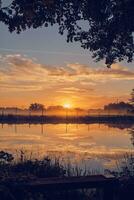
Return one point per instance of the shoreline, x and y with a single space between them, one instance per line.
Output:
115 119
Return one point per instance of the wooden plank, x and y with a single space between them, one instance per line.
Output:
97 181
109 185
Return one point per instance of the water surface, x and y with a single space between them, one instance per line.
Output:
95 145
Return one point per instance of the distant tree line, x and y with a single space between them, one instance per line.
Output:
38 107
121 106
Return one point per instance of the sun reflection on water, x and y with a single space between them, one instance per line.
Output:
90 142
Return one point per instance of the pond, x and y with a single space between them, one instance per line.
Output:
97 146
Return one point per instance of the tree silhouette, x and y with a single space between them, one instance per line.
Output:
121 106
105 27
36 107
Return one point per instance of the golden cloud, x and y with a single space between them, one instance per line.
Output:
19 72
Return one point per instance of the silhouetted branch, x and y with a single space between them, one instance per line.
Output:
104 27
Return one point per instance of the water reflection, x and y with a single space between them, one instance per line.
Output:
96 144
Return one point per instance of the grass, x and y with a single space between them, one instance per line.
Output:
125 167
25 169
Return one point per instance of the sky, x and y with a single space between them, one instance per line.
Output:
40 66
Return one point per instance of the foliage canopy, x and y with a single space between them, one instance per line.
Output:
105 27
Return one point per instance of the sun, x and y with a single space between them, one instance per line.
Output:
67 105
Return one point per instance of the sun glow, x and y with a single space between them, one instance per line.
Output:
67 105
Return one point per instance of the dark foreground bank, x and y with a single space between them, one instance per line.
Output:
17 176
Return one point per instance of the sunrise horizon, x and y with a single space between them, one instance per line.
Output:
26 80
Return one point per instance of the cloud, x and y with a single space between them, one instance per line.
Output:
19 72
75 90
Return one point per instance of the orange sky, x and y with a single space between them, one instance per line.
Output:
24 80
